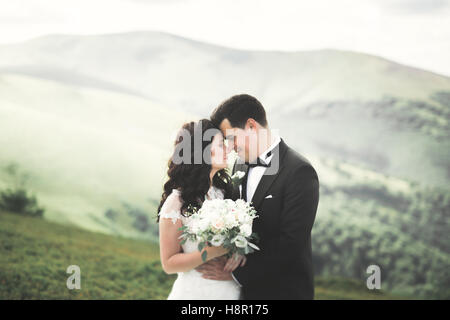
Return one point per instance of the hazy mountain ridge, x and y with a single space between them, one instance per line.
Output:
184 74
399 137
88 150
150 61
92 117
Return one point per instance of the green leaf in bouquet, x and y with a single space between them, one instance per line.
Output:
201 245
234 232
255 237
253 246
204 255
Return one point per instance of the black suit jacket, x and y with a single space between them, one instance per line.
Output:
282 268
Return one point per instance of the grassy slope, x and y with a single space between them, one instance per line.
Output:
35 253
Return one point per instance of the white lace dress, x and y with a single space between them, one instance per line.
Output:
190 285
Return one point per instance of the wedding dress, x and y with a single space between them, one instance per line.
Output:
191 285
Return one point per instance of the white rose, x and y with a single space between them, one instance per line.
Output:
243 217
217 240
238 175
219 224
203 224
230 220
240 241
246 230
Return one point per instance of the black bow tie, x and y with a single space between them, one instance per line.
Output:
259 163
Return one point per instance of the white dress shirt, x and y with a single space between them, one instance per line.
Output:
255 174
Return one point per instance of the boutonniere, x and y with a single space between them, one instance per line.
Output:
236 178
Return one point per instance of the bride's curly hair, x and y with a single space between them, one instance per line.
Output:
193 178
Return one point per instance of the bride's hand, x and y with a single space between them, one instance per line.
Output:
235 261
214 252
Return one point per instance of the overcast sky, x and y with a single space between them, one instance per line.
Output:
412 32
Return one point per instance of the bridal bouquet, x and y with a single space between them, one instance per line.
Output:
222 222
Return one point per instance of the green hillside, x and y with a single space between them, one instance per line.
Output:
92 129
365 217
35 253
96 158
347 105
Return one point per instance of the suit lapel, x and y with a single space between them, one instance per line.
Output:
267 180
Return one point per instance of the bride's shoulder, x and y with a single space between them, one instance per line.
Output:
174 198
172 205
175 193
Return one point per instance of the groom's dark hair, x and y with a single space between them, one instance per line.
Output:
238 109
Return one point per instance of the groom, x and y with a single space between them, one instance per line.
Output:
284 189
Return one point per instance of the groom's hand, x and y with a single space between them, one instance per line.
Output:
214 269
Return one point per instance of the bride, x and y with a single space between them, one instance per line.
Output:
200 175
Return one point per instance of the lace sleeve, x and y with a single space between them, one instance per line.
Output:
171 207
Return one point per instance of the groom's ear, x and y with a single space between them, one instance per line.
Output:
251 124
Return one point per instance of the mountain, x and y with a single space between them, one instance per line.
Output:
91 119
96 158
366 218
352 106
153 63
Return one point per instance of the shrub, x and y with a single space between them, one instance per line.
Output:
19 201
